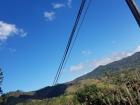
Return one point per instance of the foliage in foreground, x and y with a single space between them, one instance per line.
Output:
1 79
125 92
121 88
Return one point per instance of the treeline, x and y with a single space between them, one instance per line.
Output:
122 88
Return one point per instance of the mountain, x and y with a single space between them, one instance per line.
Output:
122 88
128 63
68 90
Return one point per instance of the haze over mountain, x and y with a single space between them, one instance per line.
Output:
128 63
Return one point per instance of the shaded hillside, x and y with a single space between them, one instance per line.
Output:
13 98
121 88
110 77
128 63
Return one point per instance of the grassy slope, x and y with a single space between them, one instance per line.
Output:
63 94
107 84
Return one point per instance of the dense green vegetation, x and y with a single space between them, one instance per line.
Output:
1 79
117 83
122 88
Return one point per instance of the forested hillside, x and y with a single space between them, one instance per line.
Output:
121 88
117 83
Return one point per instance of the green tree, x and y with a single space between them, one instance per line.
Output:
1 79
89 95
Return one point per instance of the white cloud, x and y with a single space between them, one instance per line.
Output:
76 67
61 5
22 33
109 59
90 65
137 49
114 57
69 3
7 30
58 5
49 15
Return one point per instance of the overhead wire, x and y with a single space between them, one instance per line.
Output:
72 40
69 43
78 30
69 46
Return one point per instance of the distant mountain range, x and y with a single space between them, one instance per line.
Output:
128 63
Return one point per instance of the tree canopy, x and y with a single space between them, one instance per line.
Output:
1 79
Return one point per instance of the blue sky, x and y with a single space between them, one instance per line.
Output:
33 35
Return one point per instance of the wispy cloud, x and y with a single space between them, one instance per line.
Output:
109 59
114 57
86 52
49 15
76 67
61 5
69 3
90 65
22 33
58 5
8 30
137 49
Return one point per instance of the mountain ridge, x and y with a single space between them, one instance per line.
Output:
130 62
93 77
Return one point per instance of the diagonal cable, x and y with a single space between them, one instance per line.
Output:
69 42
